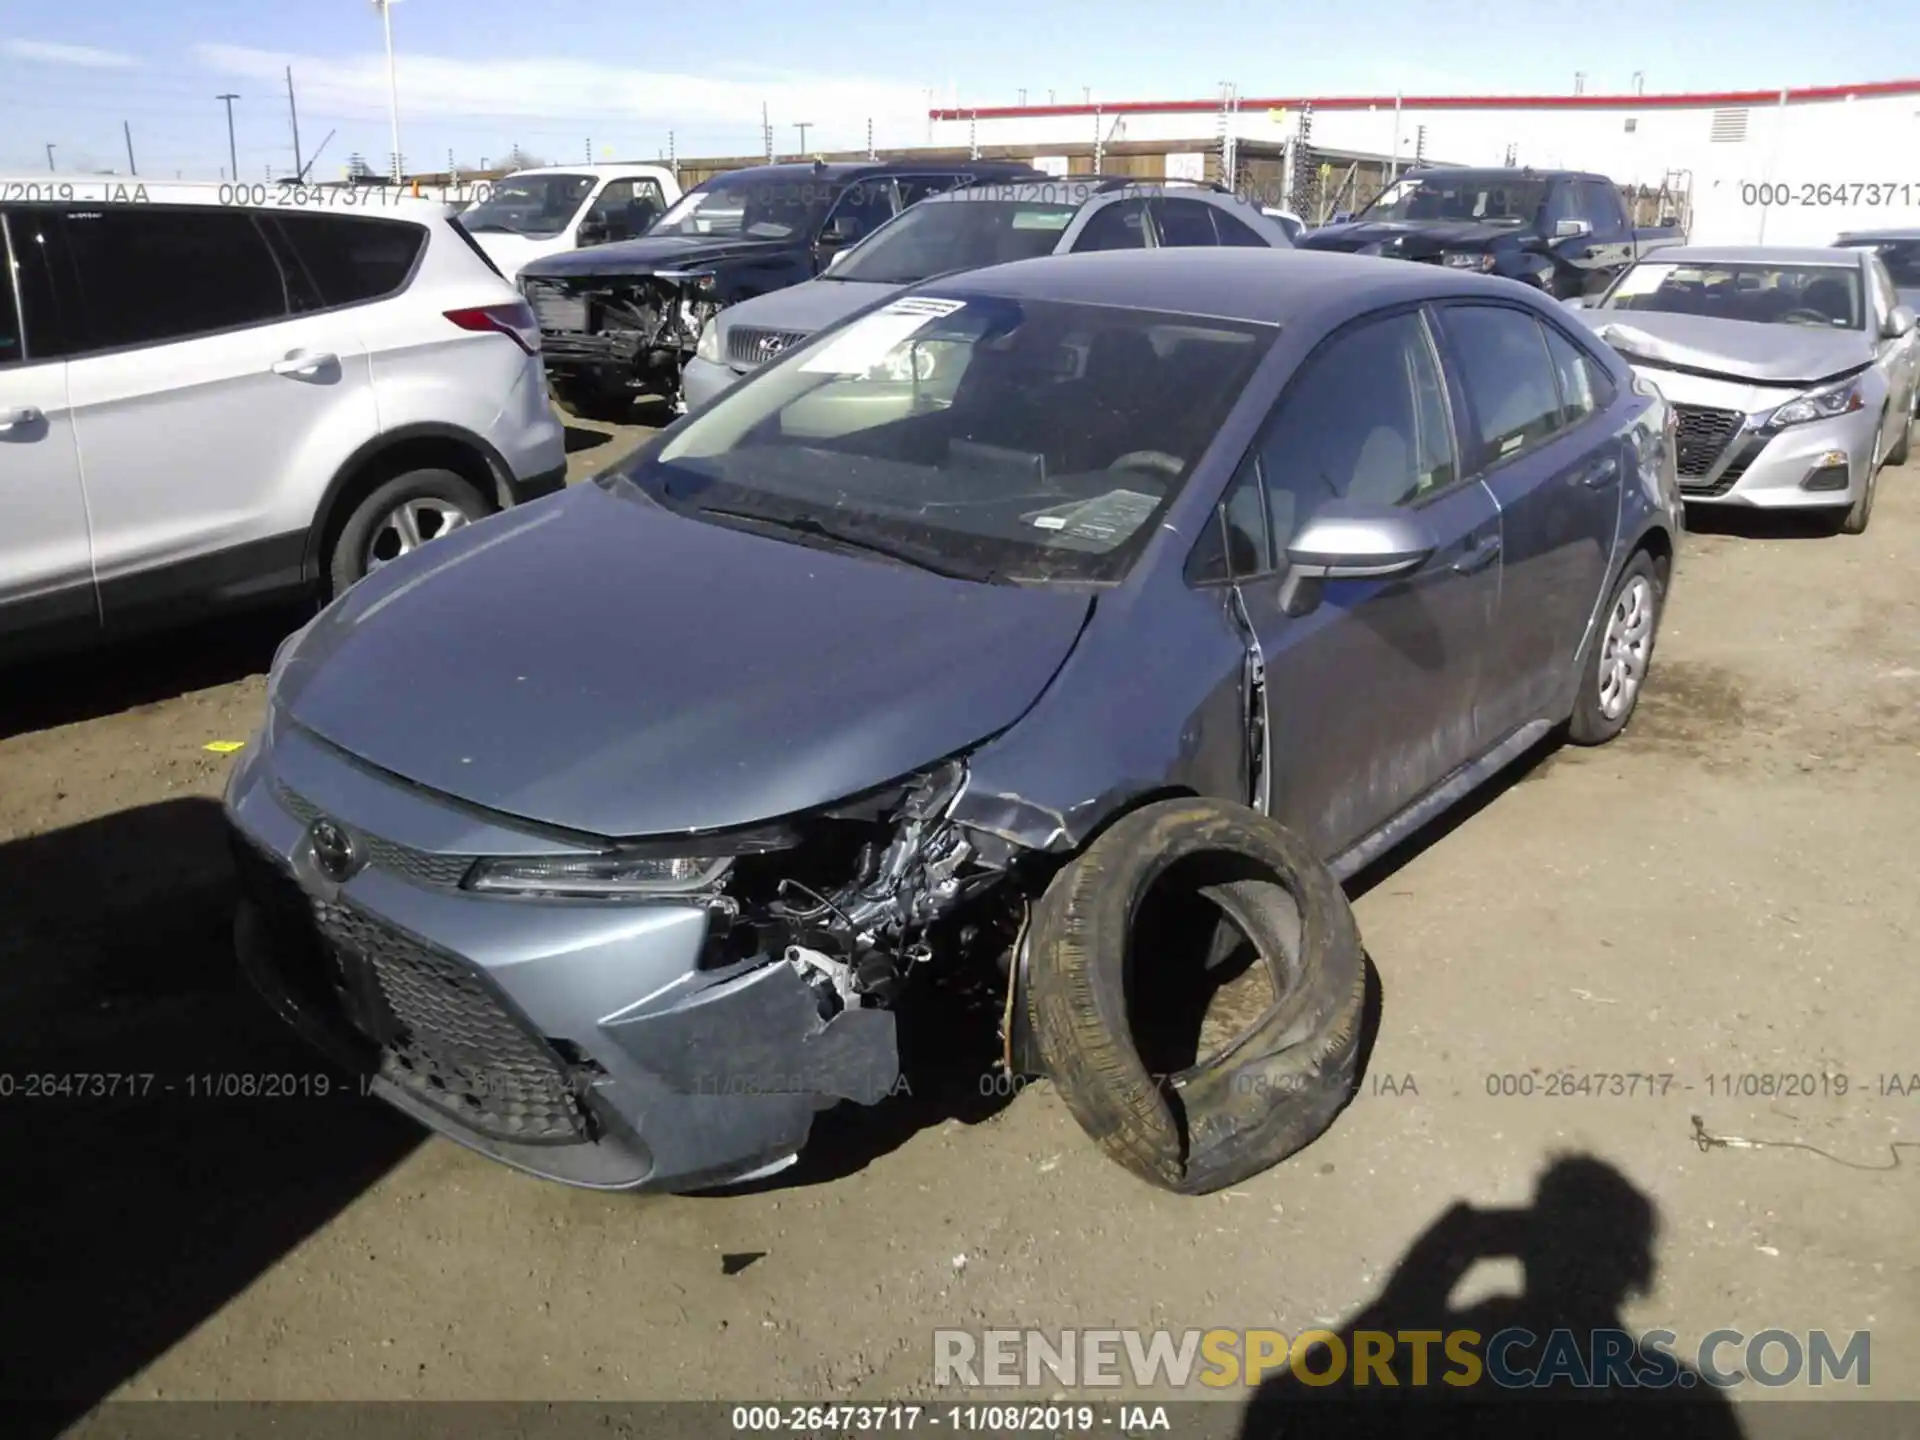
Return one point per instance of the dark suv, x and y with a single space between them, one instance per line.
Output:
624 317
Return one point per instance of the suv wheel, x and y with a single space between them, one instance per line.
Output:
397 519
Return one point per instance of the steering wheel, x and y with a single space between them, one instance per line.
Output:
1809 315
1155 460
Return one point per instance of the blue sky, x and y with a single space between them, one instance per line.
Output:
479 76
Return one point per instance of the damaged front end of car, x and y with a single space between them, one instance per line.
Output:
632 331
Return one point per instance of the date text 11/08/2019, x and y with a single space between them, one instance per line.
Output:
1052 1419
1823 194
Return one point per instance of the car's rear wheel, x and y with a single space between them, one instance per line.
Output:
397 518
1133 947
1622 653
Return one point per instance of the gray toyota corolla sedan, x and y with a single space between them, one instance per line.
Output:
605 835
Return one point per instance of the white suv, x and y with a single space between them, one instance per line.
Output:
215 394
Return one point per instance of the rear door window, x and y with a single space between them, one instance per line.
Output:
46 292
150 274
1119 226
1509 379
1184 222
343 259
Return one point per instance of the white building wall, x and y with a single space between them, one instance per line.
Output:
1823 160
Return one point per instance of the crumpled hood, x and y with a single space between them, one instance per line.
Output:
596 662
1799 355
652 252
1412 239
810 306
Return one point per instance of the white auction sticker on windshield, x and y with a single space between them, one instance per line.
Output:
1098 524
871 340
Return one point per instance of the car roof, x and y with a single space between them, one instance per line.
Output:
1884 232
1068 189
848 170
1267 286
598 169
1754 255
131 191
1497 172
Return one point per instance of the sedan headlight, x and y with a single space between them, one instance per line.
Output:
1467 260
610 875
1822 404
708 347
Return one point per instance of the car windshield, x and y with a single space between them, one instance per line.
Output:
1901 257
1823 295
959 232
752 207
1441 198
1013 440
529 205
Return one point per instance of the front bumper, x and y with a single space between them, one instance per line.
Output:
606 1045
703 382
1727 459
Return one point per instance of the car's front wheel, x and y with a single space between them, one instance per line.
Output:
1617 662
398 518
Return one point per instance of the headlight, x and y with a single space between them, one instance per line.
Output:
1467 260
600 875
708 348
1821 404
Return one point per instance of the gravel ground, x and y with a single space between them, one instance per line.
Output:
1725 893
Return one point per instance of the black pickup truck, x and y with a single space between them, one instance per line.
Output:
621 318
1565 231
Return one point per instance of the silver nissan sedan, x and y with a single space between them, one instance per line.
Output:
1793 371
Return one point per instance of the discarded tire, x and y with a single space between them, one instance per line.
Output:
1259 1098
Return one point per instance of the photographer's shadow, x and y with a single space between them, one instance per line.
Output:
1585 1245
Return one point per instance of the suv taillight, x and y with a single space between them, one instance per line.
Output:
515 320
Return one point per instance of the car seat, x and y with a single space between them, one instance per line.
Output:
1833 298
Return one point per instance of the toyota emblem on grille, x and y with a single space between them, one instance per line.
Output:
334 850
771 345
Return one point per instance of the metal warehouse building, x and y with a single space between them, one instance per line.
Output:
1791 166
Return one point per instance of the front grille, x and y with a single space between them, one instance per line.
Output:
446 1038
555 309
419 866
751 345
1727 478
1704 433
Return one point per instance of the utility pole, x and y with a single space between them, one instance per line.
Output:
1579 82
233 164
870 154
1023 99
803 126
766 131
50 156
589 149
673 158
294 115
385 7
127 130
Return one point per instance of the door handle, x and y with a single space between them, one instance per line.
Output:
1601 473
303 362
1480 554
24 415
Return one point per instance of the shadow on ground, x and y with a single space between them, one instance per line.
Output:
1585 1244
1748 524
108 679
580 438
166 1139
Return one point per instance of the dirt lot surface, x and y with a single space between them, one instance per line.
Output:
1720 910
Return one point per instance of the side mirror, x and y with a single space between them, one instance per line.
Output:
1572 229
840 253
592 232
1899 321
1351 540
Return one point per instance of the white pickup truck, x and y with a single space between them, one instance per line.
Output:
532 213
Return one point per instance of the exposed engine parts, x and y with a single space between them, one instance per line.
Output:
642 326
856 942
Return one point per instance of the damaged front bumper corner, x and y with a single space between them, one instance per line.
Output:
619 328
605 1045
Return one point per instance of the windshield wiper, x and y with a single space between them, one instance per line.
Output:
811 525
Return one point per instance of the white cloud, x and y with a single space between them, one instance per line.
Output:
57 54
439 87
